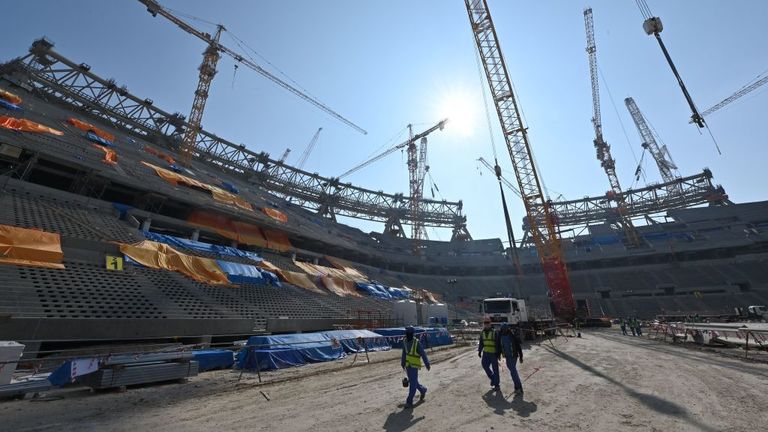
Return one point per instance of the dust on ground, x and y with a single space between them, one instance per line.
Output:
603 381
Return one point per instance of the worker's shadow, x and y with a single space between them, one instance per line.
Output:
401 420
500 404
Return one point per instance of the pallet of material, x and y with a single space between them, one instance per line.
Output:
135 374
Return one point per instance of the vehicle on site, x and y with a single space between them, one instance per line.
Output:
754 312
516 313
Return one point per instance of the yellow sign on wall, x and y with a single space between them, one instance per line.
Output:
114 263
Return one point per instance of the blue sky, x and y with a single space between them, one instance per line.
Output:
384 64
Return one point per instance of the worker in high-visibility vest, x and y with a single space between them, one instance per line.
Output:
489 350
411 361
512 350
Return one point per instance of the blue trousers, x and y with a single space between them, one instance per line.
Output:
491 366
413 384
511 365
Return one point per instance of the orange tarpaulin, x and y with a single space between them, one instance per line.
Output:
340 287
300 280
242 232
275 214
218 194
110 156
163 257
25 125
160 154
343 266
87 127
10 97
277 240
30 247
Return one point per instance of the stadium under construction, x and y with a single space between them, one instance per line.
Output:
124 224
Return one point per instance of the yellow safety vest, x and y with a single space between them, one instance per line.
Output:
412 357
489 341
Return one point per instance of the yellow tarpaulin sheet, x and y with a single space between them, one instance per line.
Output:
268 266
277 240
301 280
340 287
87 127
30 247
242 232
10 97
355 274
275 214
163 257
25 125
218 194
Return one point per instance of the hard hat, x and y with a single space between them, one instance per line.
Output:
409 330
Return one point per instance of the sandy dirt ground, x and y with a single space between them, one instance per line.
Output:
602 382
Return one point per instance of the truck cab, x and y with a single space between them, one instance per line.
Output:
502 310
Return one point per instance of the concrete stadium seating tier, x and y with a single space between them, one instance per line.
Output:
704 260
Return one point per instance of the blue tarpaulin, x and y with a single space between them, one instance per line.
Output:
242 273
201 247
213 359
9 106
431 336
374 290
282 351
230 187
98 140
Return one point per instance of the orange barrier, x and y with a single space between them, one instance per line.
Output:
21 246
340 287
25 125
277 240
163 257
87 127
218 194
275 214
10 97
110 156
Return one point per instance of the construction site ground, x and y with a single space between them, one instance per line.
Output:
602 382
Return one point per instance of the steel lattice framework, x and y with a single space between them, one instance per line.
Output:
50 74
667 168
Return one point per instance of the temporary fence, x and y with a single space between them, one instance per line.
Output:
725 333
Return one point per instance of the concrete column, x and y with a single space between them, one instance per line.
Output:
293 256
316 261
195 235
146 224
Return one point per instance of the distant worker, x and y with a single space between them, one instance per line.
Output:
638 327
489 350
623 327
512 350
410 361
632 326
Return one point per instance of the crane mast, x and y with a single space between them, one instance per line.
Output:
308 150
667 168
602 147
540 217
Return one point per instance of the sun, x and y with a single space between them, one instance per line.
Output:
460 108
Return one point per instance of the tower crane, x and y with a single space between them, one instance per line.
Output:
653 26
602 147
749 88
542 221
667 168
308 150
417 169
285 155
207 69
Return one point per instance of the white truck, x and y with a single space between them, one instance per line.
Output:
515 312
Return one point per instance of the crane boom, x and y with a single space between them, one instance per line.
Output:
440 125
155 8
545 234
667 168
732 98
602 147
308 150
501 178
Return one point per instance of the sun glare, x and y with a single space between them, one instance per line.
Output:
460 109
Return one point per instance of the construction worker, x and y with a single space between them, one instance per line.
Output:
623 327
632 326
410 361
512 350
638 327
489 350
